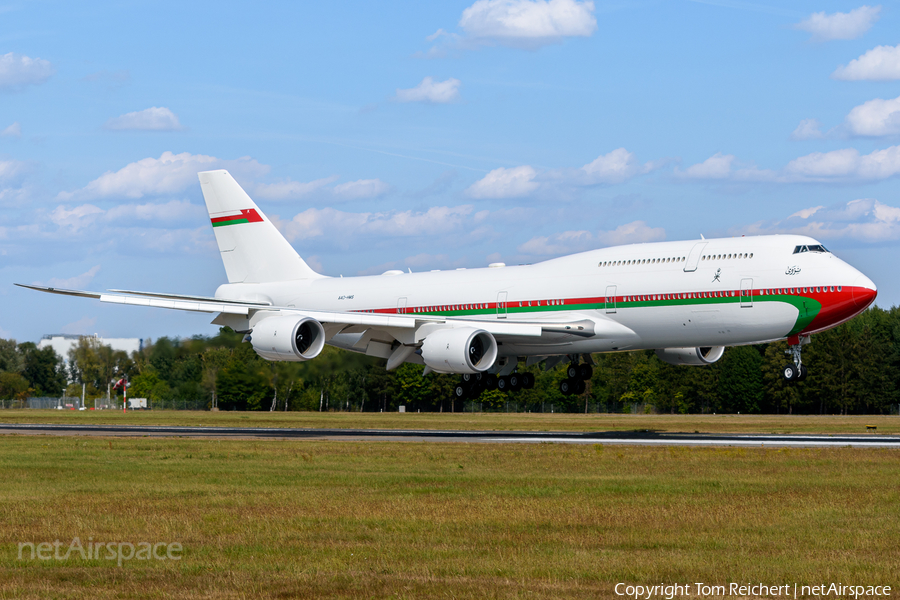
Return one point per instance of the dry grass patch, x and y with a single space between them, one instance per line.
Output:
349 520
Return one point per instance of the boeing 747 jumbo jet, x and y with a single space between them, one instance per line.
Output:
686 300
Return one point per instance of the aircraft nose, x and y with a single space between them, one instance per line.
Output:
864 292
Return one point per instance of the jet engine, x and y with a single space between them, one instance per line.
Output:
288 338
462 350
691 356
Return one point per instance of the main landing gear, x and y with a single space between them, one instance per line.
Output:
576 375
795 370
471 386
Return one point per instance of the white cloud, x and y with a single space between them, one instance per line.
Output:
361 189
614 167
528 23
345 226
18 71
505 183
11 169
287 190
875 118
150 119
168 174
83 326
717 166
844 164
76 282
631 233
840 26
431 91
863 220
881 63
77 218
808 129
568 242
13 131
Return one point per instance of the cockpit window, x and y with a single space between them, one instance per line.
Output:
810 248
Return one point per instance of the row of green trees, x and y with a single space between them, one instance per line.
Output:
854 368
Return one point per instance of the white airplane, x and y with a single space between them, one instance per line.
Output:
687 300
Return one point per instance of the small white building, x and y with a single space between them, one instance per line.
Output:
63 342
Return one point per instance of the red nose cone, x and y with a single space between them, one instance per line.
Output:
864 296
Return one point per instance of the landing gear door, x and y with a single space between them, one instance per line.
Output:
693 258
501 305
610 299
746 293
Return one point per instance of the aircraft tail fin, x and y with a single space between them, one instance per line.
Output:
252 249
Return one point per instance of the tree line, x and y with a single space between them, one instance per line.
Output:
853 369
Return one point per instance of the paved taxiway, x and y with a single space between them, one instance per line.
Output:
648 438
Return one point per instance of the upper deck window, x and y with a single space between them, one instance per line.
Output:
809 248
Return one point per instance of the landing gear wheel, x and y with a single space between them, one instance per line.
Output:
490 381
790 372
468 378
515 382
580 387
566 387
503 384
801 373
460 392
585 372
527 380
572 371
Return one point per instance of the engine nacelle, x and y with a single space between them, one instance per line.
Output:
691 356
288 338
462 350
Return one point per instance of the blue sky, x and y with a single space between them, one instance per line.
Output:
430 135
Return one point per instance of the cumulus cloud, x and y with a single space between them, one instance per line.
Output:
290 190
528 23
11 170
505 183
76 218
875 118
840 26
881 63
615 167
340 225
863 220
150 119
431 92
13 131
808 129
82 326
18 71
568 242
76 282
844 165
168 174
361 189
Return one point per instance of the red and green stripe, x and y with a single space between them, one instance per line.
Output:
247 215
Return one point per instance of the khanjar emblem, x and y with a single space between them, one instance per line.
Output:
716 276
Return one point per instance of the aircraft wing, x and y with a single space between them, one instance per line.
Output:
348 319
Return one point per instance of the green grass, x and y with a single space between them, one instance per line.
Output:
410 520
470 421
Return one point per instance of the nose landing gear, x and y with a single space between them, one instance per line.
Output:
795 371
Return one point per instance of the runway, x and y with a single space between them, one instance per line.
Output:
640 438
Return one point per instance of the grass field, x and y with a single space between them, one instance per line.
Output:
410 520
471 421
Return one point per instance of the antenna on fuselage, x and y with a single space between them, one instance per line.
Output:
701 237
